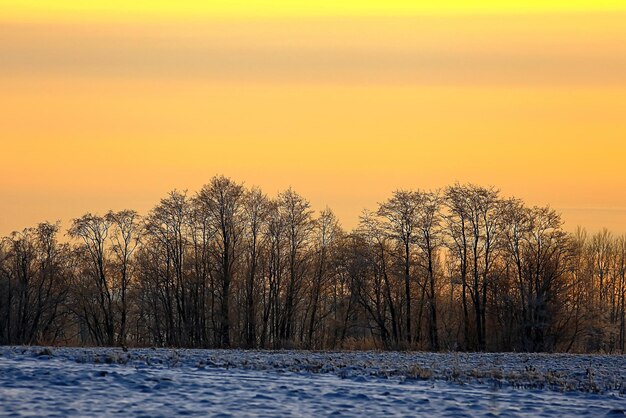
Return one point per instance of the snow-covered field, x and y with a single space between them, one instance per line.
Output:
40 381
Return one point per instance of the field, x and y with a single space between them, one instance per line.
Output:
42 381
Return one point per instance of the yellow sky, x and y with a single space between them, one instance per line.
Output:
168 9
109 105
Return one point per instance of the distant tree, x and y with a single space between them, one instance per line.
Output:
298 226
93 231
327 234
474 229
459 233
429 240
124 238
33 286
256 207
222 201
163 259
461 268
368 267
400 213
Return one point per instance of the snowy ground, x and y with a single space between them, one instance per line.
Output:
39 381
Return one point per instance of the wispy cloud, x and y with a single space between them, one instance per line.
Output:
436 50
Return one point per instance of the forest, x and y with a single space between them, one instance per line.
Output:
461 268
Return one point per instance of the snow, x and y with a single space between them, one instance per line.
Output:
41 381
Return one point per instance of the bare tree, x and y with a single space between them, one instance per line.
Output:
473 226
274 235
256 206
400 213
124 239
222 201
327 234
459 233
164 258
372 282
298 222
33 286
428 225
461 269
93 231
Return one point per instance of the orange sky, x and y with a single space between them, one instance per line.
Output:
111 111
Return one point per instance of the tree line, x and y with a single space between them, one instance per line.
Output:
461 268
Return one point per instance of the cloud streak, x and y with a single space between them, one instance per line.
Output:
435 50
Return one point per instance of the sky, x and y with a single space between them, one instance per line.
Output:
111 104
